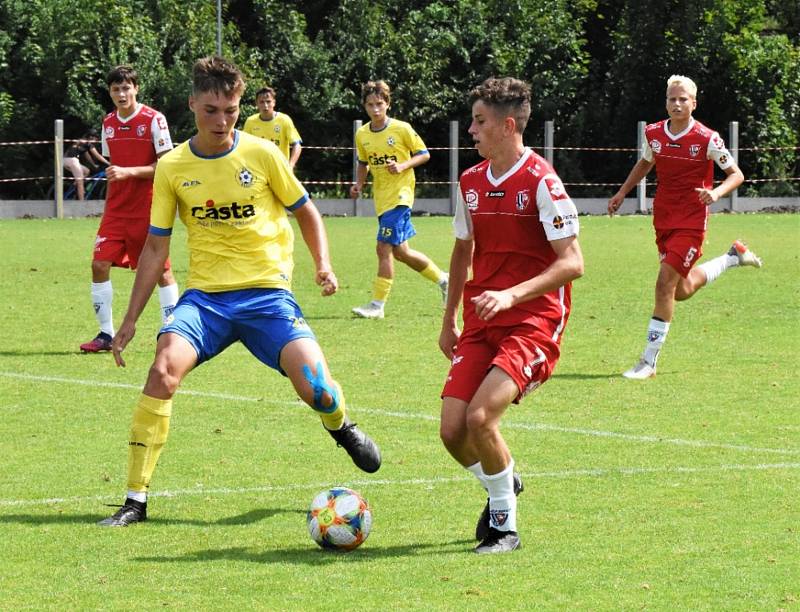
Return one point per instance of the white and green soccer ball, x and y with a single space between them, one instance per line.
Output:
339 519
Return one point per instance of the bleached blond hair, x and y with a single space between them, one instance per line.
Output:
687 83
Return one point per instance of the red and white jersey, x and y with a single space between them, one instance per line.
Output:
134 141
512 220
684 162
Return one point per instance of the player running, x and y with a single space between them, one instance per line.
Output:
134 137
683 151
517 229
232 191
390 149
272 125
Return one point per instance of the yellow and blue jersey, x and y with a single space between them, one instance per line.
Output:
280 130
234 208
398 142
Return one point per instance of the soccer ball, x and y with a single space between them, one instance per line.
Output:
339 519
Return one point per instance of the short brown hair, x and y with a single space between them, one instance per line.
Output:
122 74
508 95
218 75
265 91
376 88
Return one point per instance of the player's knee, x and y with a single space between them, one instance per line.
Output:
478 422
452 437
161 380
101 267
325 396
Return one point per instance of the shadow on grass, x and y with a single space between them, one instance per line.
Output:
248 518
28 353
311 555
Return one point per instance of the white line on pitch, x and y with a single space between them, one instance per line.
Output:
424 482
427 417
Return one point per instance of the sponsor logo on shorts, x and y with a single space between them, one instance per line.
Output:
687 261
299 323
457 359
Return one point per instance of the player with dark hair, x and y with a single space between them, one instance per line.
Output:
390 149
517 230
278 127
232 191
134 137
683 152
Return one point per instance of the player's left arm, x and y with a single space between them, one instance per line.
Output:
294 153
313 230
419 154
733 175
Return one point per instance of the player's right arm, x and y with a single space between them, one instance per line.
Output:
361 178
151 266
460 261
637 173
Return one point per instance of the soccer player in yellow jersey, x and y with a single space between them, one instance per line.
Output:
272 125
232 191
390 149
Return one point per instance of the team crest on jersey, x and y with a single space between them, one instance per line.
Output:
655 145
109 132
523 199
245 177
390 141
140 130
694 150
277 129
471 198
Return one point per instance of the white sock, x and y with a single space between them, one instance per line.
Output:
714 267
168 296
443 279
502 501
477 470
656 335
139 496
102 296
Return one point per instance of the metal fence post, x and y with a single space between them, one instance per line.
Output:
59 168
356 127
641 188
733 143
548 141
453 166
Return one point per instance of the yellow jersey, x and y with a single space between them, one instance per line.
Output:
280 130
397 141
234 208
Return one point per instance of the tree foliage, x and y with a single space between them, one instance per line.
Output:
596 67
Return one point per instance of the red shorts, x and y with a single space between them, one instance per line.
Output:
680 248
527 353
120 241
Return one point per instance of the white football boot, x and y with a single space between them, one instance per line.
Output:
745 256
640 371
369 311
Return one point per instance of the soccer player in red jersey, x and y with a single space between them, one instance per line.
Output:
683 151
517 229
134 137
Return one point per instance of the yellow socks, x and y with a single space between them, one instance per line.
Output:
334 420
381 288
149 432
433 273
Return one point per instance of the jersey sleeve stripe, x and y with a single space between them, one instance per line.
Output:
421 152
160 231
299 202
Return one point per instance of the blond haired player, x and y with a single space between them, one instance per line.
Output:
683 152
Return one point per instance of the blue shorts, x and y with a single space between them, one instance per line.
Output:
265 320
395 227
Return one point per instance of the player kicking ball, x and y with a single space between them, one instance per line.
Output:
683 151
232 191
517 229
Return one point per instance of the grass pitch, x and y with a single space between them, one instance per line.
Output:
675 493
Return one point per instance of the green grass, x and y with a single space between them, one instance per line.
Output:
675 493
